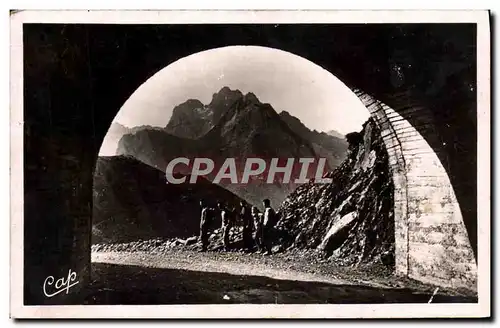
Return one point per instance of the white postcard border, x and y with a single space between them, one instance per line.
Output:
481 309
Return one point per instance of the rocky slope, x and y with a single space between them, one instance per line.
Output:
132 201
350 219
329 145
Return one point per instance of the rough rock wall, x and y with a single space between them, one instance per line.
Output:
350 219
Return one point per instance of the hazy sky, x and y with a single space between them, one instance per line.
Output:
286 81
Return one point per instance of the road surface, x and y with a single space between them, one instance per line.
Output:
188 277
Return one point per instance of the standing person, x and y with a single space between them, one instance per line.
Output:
258 221
246 219
268 226
205 220
227 222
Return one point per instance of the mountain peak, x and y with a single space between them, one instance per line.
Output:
251 98
222 101
227 92
194 102
191 119
188 105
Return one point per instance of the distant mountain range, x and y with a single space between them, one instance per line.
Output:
336 134
333 148
235 125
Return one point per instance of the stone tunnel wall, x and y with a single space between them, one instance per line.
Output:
432 244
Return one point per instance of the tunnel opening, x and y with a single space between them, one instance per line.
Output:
396 133
59 128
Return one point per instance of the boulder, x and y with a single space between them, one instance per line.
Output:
191 240
336 229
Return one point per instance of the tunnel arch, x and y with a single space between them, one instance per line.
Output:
432 241
71 97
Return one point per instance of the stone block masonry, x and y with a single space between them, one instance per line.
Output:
432 244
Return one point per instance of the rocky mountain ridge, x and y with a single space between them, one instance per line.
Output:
245 128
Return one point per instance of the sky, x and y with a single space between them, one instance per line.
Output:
282 79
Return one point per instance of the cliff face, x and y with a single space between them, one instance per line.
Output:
190 119
351 219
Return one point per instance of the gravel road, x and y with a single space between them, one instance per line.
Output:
190 277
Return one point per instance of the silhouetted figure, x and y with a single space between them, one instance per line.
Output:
205 221
227 222
268 226
246 219
258 220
